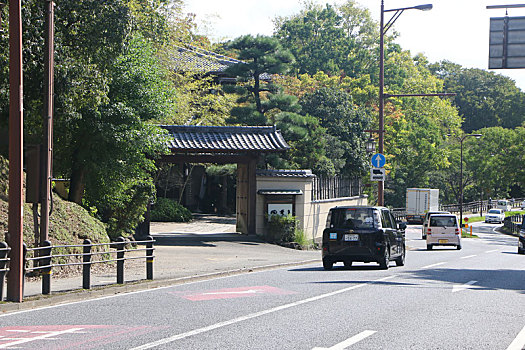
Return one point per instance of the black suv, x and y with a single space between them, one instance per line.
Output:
363 233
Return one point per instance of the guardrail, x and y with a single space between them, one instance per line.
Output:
513 223
4 265
42 259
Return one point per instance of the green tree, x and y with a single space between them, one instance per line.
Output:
484 99
345 122
262 56
332 39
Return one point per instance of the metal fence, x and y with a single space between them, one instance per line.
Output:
41 260
336 187
479 206
513 223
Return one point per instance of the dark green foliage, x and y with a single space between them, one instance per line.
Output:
168 210
282 228
345 123
263 56
330 39
483 99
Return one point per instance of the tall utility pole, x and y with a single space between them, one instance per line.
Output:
47 161
16 141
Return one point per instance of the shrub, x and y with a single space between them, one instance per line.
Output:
166 209
282 228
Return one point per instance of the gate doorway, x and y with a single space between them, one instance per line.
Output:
240 145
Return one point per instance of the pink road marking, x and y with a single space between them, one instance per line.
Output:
231 293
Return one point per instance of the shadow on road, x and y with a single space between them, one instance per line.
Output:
203 240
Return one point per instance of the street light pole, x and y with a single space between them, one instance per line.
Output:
461 139
382 31
381 184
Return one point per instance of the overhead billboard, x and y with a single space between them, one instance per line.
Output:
507 43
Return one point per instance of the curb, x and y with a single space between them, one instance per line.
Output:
77 295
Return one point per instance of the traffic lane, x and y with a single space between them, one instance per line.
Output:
405 311
167 311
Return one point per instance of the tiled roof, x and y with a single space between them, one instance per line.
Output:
285 173
194 58
225 139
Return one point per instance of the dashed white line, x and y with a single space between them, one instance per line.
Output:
254 315
350 341
519 341
491 251
468 256
433 265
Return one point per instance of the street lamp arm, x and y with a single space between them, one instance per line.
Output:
392 19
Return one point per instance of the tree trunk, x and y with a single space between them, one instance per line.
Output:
76 186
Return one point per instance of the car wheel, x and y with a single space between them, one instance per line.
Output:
521 251
429 246
327 264
400 261
383 264
348 264
458 247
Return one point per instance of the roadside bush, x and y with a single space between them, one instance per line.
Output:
282 228
166 209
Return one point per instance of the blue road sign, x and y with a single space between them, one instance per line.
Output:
378 160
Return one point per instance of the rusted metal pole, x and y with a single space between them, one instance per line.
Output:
381 184
48 122
16 141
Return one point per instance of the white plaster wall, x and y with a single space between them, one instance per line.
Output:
311 215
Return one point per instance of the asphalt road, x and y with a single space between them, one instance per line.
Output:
441 299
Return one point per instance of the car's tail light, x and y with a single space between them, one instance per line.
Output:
457 231
429 231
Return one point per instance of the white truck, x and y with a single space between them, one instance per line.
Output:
419 201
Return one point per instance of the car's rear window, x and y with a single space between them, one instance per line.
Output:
354 218
443 221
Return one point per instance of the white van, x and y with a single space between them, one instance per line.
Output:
504 205
443 229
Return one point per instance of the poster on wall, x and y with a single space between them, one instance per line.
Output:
281 209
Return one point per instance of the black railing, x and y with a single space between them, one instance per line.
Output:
513 223
4 265
335 187
479 206
41 260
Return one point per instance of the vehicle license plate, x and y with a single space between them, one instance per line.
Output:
349 237
443 241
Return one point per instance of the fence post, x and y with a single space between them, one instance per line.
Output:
149 258
24 263
121 245
4 253
45 260
86 264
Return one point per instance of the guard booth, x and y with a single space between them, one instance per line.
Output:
295 192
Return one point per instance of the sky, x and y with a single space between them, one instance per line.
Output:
456 30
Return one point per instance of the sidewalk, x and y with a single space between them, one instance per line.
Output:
207 247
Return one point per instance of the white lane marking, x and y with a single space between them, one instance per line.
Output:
460 287
468 256
519 342
254 315
44 336
350 341
433 265
491 251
